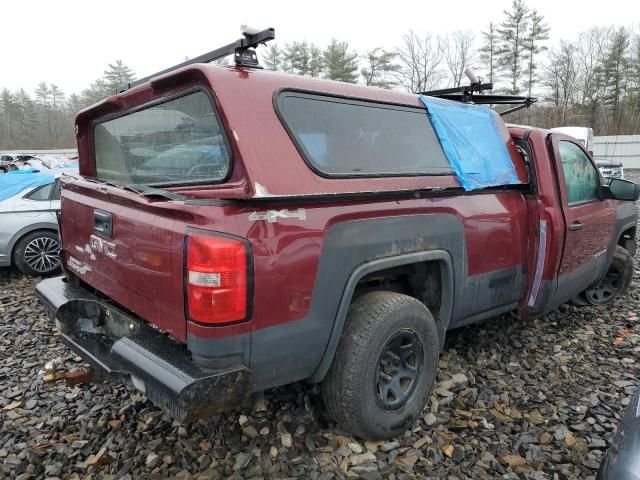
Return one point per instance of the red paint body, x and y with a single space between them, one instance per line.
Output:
500 227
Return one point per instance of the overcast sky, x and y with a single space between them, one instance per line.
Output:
70 42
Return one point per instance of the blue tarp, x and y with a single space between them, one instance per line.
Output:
12 183
472 143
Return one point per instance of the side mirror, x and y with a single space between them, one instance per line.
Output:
623 189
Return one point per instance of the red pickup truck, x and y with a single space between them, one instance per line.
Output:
234 229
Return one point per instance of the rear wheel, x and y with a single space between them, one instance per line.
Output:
614 283
37 253
384 367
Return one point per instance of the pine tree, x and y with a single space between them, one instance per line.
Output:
272 58
28 118
8 109
512 34
97 91
340 63
614 71
316 61
538 33
489 51
379 69
118 75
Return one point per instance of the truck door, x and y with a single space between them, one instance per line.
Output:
589 220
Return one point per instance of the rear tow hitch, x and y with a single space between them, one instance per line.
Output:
71 377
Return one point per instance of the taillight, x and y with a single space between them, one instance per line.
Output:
217 283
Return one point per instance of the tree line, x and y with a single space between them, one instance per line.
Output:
592 79
45 120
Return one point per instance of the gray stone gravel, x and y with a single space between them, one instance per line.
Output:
536 399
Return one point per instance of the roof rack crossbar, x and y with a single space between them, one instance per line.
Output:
240 49
465 94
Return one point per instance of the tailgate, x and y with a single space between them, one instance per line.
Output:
130 249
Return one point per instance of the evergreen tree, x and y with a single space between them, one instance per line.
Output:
340 63
8 109
117 75
28 118
489 51
316 61
272 59
289 56
380 68
614 71
512 34
97 91
538 33
74 104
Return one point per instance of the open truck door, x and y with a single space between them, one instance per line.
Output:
589 218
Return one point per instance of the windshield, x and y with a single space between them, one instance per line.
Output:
179 141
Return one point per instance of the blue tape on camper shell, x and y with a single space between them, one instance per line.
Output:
472 143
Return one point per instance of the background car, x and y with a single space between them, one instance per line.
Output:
29 202
622 460
610 168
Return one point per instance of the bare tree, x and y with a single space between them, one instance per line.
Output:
590 49
458 54
420 59
561 78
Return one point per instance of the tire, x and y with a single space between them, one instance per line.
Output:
615 282
36 253
357 391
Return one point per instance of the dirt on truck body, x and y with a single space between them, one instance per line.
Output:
234 229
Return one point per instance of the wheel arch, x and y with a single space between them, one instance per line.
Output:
20 234
627 238
440 257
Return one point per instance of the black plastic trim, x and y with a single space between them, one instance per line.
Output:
446 305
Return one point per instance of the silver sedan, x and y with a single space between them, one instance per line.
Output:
29 229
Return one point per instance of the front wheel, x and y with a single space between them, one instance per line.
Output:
615 282
384 367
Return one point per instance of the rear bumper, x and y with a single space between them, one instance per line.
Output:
122 347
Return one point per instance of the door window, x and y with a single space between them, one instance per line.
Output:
580 175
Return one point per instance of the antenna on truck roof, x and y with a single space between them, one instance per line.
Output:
242 51
466 94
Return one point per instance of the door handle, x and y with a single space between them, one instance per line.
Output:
576 226
102 223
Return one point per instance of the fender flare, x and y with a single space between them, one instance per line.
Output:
443 317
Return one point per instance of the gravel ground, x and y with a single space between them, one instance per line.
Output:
536 399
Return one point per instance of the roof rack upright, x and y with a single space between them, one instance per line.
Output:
242 50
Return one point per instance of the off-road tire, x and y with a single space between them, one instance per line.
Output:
622 261
349 389
21 263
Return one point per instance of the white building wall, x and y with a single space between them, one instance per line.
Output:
622 148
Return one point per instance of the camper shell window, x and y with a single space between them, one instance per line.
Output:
343 137
178 141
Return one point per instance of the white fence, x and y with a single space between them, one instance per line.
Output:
621 148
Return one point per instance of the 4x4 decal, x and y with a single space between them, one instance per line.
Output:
272 216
